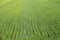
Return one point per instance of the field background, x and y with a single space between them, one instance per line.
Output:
29 19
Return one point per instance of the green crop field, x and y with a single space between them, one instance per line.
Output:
29 19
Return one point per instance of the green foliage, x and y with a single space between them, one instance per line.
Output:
30 20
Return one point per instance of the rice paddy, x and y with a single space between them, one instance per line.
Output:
29 19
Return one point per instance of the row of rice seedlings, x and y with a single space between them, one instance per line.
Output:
41 27
30 29
12 28
4 24
50 32
18 33
36 22
22 30
34 31
25 27
37 31
22 27
54 31
52 25
15 29
6 27
9 26
11 32
46 27
18 29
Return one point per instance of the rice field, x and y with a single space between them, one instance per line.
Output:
29 19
